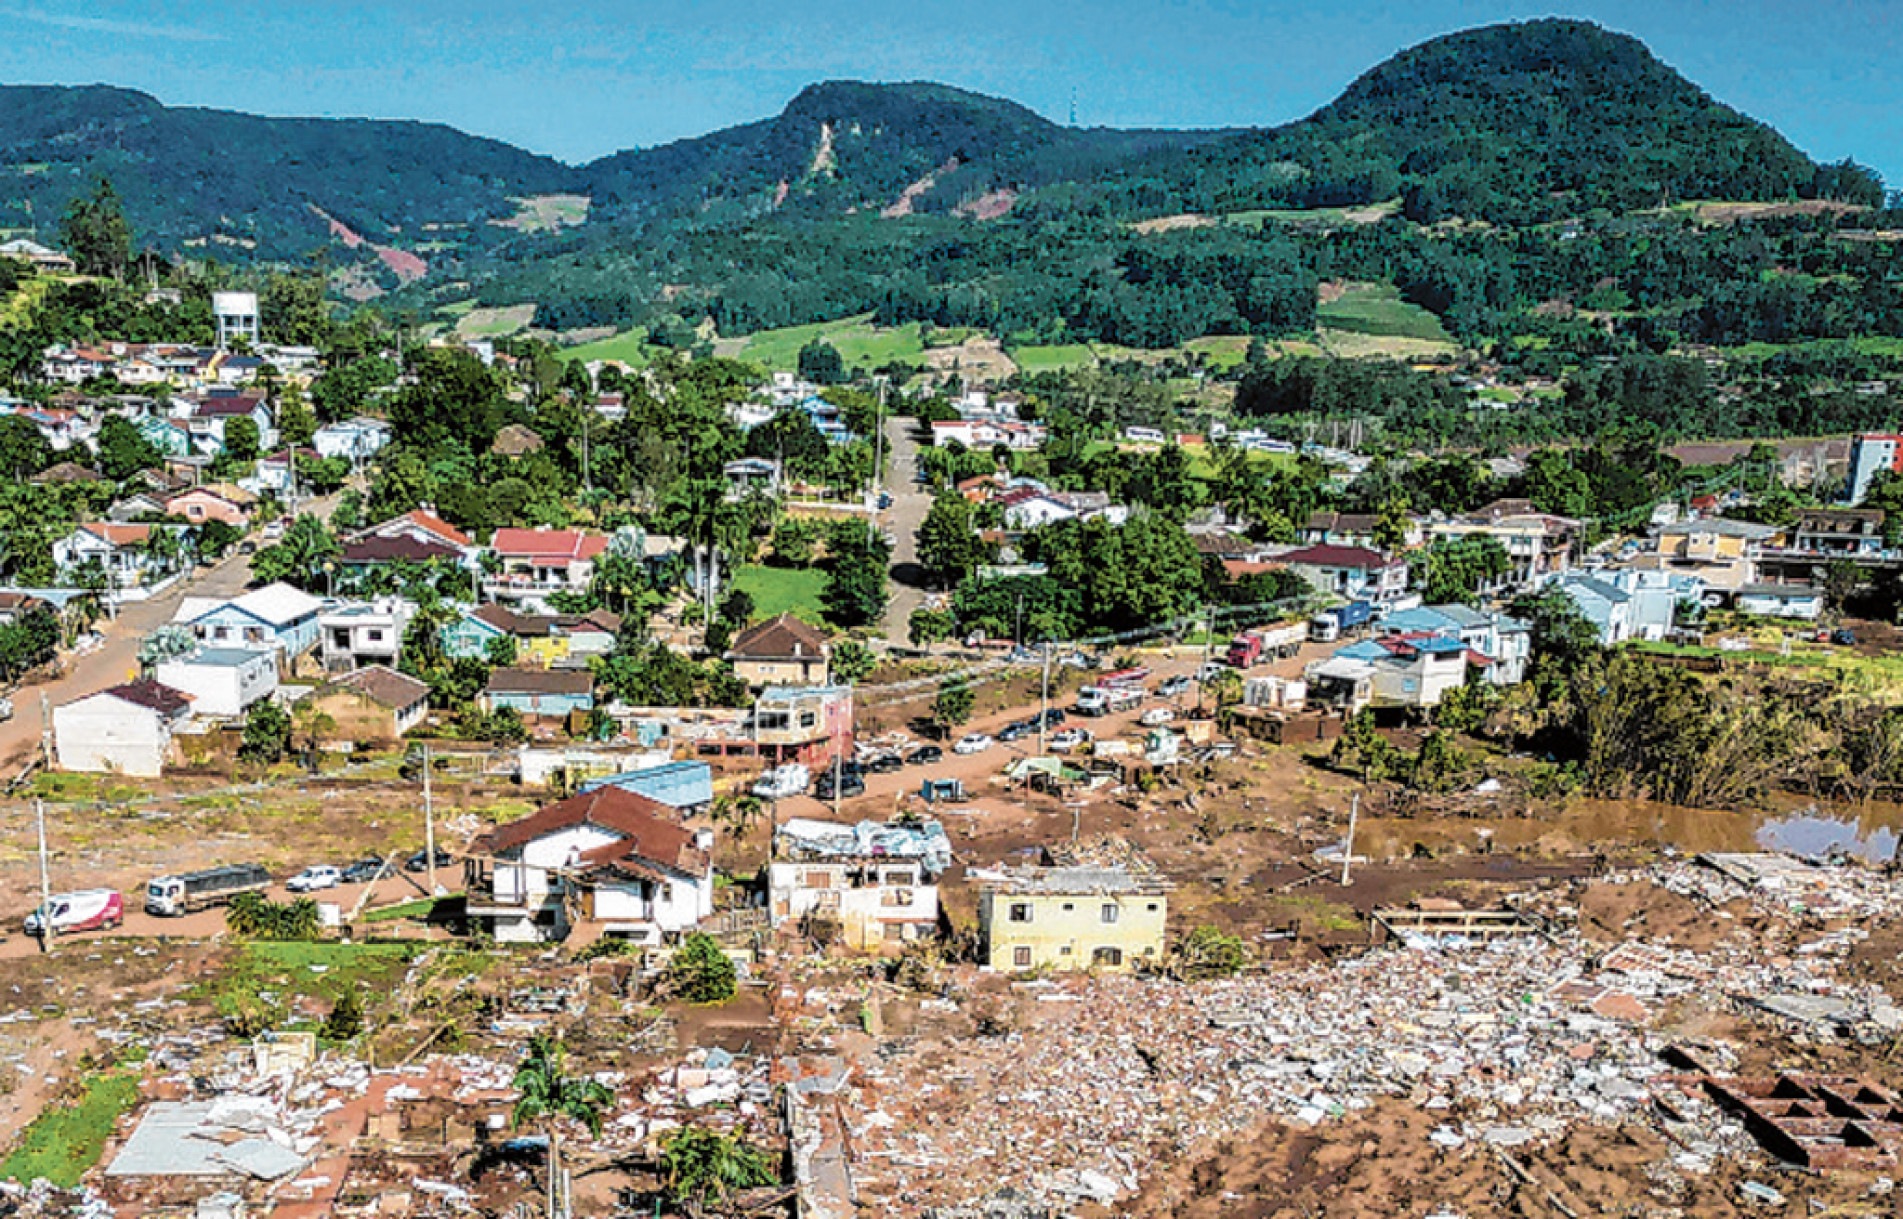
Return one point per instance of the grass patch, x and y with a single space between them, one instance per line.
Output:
65 1141
782 590
630 347
1056 357
319 969
1377 309
421 909
84 788
859 343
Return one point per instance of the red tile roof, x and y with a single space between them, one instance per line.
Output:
155 695
1330 555
781 638
649 834
570 544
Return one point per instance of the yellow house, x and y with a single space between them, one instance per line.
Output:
1072 918
781 651
1723 553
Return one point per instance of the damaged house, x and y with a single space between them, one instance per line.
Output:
877 882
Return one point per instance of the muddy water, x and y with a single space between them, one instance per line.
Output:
1868 831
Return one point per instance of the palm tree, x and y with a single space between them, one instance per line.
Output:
548 1094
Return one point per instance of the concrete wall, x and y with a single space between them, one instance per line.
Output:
890 904
106 734
222 690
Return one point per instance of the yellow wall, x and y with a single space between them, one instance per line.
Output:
1066 930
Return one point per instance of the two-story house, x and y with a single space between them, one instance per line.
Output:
876 883
358 633
1537 543
782 651
1071 918
548 640
532 563
608 857
276 618
1355 573
1722 554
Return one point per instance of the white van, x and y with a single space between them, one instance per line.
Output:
87 910
1143 435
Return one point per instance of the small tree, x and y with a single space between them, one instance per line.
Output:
953 705
701 1166
700 972
345 1021
820 363
501 651
1207 953
927 626
267 733
852 661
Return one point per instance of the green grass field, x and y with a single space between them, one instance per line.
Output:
630 347
1053 358
858 341
1377 309
782 590
66 1140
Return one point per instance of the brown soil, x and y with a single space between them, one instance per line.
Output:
1639 910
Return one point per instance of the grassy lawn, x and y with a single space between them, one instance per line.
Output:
1054 358
630 347
63 1142
421 908
322 969
782 590
858 341
1377 309
494 323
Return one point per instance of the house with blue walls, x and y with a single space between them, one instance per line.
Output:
275 618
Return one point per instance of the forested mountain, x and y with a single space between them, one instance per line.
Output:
193 177
924 202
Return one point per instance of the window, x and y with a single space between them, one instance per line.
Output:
1151 907
808 719
1021 958
376 636
1020 912
1069 906
817 880
1064 950
895 897
1107 956
1110 912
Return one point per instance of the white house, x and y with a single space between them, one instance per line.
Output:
210 416
1805 601
877 882
607 856
355 634
987 434
123 552
1033 507
1354 572
535 562
357 439
125 730
221 682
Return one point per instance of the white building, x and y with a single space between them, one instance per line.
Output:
236 316
607 856
359 633
877 882
984 434
126 730
356 440
221 682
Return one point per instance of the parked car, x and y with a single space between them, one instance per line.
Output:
885 764
1212 670
885 500
363 871
1844 637
274 530
1069 739
973 742
1050 718
1156 717
783 781
419 862
925 755
850 785
318 876
1078 660
1017 731
1173 686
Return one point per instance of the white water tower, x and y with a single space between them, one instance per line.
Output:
237 317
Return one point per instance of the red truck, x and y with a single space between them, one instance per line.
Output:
1251 647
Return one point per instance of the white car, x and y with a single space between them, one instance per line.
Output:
274 530
322 876
973 742
1069 739
1156 717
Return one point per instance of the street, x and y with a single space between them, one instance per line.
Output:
911 500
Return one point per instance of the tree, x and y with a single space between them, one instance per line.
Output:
820 363
124 450
700 972
345 1021
953 705
501 651
242 441
300 558
927 626
24 450
949 543
794 540
701 1166
852 661
94 231
1207 953
549 1094
856 560
296 422
267 733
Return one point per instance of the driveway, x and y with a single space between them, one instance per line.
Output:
910 503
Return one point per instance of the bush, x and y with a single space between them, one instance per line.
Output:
700 972
345 1021
1207 953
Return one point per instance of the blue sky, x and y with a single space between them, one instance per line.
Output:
587 77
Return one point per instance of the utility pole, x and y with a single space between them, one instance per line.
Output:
586 483
1348 843
878 444
1044 699
46 882
838 777
1209 636
429 822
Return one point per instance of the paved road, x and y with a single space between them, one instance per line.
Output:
910 502
117 660
113 662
